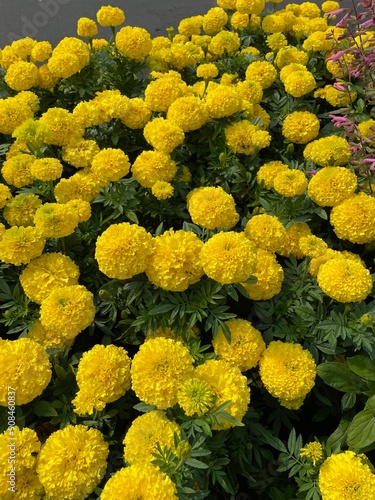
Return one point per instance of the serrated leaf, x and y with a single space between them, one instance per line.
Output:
198 464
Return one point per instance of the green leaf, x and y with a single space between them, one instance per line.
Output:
340 377
362 366
193 462
348 400
361 432
44 409
161 308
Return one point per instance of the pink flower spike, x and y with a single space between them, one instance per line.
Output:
311 172
339 87
371 161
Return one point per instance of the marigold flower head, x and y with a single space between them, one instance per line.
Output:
313 452
67 310
214 20
332 185
276 41
123 250
86 27
228 257
290 182
301 127
291 243
47 272
142 481
273 23
103 376
12 114
25 366
81 153
46 79
22 75
347 475
269 275
239 21
72 462
335 97
137 114
345 280
41 51
261 72
188 113
20 210
23 47
354 218
222 101
5 195
158 369
287 370
312 246
27 486
110 165
174 263
207 70
224 42
68 57
26 444
195 397
16 170
190 26
317 41
367 128
328 151
152 166
110 16
250 6
246 138
110 104
266 231
62 126
31 132
162 190
289 55
299 83
163 134
83 185
46 169
55 220
212 207
316 262
228 384
267 172
133 42
245 347
49 339
21 244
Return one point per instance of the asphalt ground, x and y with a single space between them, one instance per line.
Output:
52 20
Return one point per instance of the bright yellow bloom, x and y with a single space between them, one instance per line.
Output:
86 27
289 55
224 42
23 47
332 185
20 210
290 183
174 263
110 165
46 169
269 274
72 462
223 101
335 97
328 151
301 127
246 138
41 51
55 220
31 132
189 113
16 170
162 190
22 75
152 166
313 451
288 371
123 250
195 397
214 20
5 195
26 444
276 41
81 153
160 93
63 127
266 231
212 207
83 185
207 70
21 244
25 367
49 339
163 134
158 369
133 42
110 16
267 173
312 246
261 72
317 41
292 238
137 114
68 57
190 26
228 257
299 83
250 6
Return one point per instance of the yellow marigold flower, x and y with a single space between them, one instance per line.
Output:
27 486
190 26
354 218
228 257
267 173
103 376
2 230
290 182
110 16
276 41
163 134
86 27
367 128
250 6
82 185
214 20
269 275
227 4
5 195
317 41
223 101
313 451
289 55
21 244
48 338
344 280
312 246
99 43
301 127
110 165
239 21
208 70
347 475
246 138
212 207
335 97
332 185
309 9
26 447
133 42
251 92
87 114
152 166
273 23
183 55
250 50
46 79
67 310
158 369
137 114
329 6
72 462
261 72
16 170
23 47
68 57
287 371
328 151
62 126
245 347
291 243
266 231
289 69
145 433
188 113
29 98
31 132
47 272
20 210
316 262
143 481
162 190
25 367
174 263
81 207
22 75
8 57
55 220
299 83
224 42
123 250
46 169
110 104
228 384
81 153
160 93
195 397
41 51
